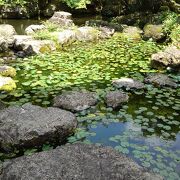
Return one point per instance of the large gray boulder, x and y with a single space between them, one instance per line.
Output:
30 46
75 162
62 18
31 125
160 80
75 101
7 33
115 99
170 57
128 83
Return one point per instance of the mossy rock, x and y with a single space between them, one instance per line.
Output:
132 32
154 32
7 71
7 84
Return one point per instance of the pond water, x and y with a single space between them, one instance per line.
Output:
21 25
145 129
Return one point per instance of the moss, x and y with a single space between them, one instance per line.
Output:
7 71
7 84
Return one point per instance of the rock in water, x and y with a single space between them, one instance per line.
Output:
62 18
160 80
30 126
75 162
170 57
128 83
75 101
115 99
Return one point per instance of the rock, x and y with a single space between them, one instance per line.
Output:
7 84
62 18
7 32
34 28
75 101
3 45
160 80
19 41
66 36
7 71
128 83
170 57
154 32
106 32
75 162
31 125
87 33
132 32
115 99
31 47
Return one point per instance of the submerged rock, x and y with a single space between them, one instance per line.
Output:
7 71
160 80
154 31
115 99
62 18
170 57
31 125
77 162
7 84
34 28
128 83
75 101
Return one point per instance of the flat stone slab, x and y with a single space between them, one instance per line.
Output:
115 99
75 162
75 101
31 125
160 80
128 83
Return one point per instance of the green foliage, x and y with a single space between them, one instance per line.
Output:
70 3
169 21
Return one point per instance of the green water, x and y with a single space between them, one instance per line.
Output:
145 129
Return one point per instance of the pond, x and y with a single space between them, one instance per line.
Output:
145 129
21 25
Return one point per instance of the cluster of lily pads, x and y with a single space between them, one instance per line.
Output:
151 115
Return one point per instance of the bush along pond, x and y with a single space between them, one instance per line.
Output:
104 83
